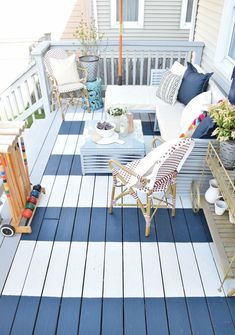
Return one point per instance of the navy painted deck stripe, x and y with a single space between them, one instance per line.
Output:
127 225
198 230
49 315
90 320
178 317
221 316
156 317
8 307
71 128
134 316
199 316
112 316
64 165
69 316
26 315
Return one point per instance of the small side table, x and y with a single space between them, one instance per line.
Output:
94 94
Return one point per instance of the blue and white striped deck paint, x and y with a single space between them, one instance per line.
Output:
84 271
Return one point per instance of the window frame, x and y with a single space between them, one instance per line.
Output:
183 23
223 62
131 24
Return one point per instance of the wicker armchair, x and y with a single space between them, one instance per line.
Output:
66 90
154 176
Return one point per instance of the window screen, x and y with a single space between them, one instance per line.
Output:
189 11
130 10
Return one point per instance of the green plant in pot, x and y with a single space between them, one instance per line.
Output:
223 114
117 114
90 40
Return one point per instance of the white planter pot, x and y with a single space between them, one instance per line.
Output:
212 193
116 120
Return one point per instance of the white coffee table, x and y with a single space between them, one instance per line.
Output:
95 157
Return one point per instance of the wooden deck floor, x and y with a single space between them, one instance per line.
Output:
84 271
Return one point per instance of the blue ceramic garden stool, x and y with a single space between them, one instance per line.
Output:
94 94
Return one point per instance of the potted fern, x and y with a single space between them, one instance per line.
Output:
223 114
86 32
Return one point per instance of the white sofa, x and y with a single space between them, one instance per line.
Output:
143 99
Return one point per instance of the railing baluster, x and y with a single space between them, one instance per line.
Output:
112 68
141 67
27 91
149 68
9 107
21 101
3 113
34 87
134 68
13 94
127 68
105 69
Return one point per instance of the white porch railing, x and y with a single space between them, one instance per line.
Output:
31 91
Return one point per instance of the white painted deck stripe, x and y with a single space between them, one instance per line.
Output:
151 270
58 191
86 193
56 271
72 191
75 270
70 145
121 269
208 270
189 270
19 268
100 191
133 281
47 182
79 115
59 145
186 201
170 270
37 271
113 280
80 142
93 283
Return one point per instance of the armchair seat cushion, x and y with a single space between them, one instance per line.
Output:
65 88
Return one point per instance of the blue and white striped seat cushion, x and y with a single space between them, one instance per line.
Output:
169 87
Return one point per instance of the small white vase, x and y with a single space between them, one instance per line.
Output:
213 192
116 120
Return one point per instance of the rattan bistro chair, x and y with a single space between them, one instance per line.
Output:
154 175
66 90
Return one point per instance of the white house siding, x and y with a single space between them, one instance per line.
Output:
207 30
80 6
161 21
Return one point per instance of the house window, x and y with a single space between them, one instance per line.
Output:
133 13
225 52
186 14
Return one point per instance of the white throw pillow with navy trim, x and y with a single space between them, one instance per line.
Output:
169 87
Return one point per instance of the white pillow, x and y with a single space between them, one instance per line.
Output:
65 70
169 87
194 108
178 69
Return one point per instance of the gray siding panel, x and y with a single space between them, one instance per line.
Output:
161 21
207 30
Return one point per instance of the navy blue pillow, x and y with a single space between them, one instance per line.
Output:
193 83
205 128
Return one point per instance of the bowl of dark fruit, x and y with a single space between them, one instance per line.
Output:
105 129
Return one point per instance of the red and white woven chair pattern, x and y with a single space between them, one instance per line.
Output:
155 175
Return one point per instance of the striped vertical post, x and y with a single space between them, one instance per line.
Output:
25 162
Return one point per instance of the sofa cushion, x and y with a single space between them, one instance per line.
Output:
194 108
193 83
134 97
168 117
65 70
169 87
178 68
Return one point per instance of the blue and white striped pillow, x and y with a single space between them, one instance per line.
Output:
169 87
